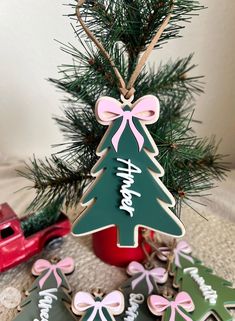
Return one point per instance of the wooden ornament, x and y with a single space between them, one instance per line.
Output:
48 299
136 290
127 192
211 294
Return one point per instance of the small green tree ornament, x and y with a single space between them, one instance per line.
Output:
48 299
127 191
211 294
137 289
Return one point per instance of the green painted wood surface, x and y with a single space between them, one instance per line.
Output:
203 308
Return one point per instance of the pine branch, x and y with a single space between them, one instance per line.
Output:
55 179
83 133
172 77
135 22
191 164
90 74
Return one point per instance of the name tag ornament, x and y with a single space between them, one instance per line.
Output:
211 294
136 290
127 191
49 297
156 275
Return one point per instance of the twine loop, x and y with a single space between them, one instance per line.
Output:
126 89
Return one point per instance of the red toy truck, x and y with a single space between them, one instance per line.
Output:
15 247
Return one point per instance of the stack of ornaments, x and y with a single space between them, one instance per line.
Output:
181 289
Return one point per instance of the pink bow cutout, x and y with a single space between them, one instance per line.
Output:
159 274
66 266
182 249
158 304
109 109
113 302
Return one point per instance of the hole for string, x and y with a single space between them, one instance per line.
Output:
127 101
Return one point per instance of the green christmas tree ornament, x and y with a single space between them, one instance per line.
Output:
127 191
211 294
48 299
136 290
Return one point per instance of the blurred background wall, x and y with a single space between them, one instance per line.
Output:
28 55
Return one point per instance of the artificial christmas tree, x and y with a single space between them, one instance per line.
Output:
124 30
190 163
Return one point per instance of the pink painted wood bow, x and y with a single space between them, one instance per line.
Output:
66 266
182 249
113 302
159 274
145 109
158 305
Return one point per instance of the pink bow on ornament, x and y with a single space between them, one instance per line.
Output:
182 249
113 302
158 304
66 266
146 109
159 274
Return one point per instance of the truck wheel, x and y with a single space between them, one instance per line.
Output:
54 243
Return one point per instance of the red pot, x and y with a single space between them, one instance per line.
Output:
105 247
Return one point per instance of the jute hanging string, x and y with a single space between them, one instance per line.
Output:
126 89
